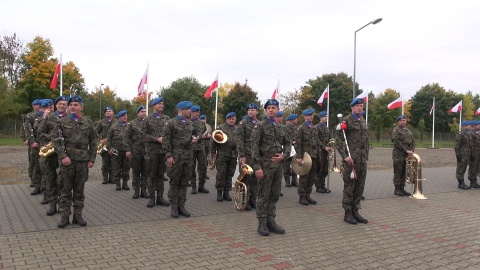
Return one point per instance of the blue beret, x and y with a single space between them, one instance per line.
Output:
308 112
292 117
46 103
401 117
280 114
139 108
273 102
108 108
244 117
466 123
121 113
195 108
363 113
252 106
157 100
203 116
230 114
183 105
37 102
78 99
356 101
322 114
61 98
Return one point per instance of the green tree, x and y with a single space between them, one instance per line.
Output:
236 100
384 119
421 129
12 65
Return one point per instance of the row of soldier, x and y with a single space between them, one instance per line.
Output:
467 151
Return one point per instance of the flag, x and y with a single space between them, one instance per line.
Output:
431 110
276 91
397 103
208 93
54 82
477 112
456 108
363 95
323 96
143 81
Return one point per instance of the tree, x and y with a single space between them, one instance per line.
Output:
421 129
237 99
12 65
383 117
290 102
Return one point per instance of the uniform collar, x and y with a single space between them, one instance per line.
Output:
181 119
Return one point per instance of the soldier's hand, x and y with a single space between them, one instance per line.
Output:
243 160
90 164
170 162
34 145
25 142
66 161
277 158
103 141
259 174
128 154
409 152
299 160
160 139
328 149
349 160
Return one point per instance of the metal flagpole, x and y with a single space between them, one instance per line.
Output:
148 88
61 76
433 123
216 103
402 106
366 112
460 123
328 104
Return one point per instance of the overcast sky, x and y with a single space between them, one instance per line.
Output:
111 42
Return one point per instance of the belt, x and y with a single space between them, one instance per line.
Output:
77 145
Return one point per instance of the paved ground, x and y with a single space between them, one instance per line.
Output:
122 233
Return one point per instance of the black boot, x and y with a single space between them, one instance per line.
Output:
287 182
183 212
45 199
206 177
78 219
358 217
226 195
174 211
35 191
273 227
202 189
474 184
310 200
144 193
461 184
125 185
194 190
118 187
252 202
151 201
105 179
303 200
110 180
136 194
294 181
320 190
262 229
161 201
52 210
349 217
398 190
219 195
405 193
64 221
248 207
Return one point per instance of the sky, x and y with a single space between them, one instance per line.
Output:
291 41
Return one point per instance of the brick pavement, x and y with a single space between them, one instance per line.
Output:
438 233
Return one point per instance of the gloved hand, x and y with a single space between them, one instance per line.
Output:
459 158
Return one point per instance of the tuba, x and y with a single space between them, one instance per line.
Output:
240 191
46 150
413 173
102 147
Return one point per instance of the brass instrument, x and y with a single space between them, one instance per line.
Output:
332 156
240 190
211 161
413 173
101 147
219 136
46 150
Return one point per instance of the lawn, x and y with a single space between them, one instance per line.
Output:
9 141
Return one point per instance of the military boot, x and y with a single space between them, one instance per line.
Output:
36 191
310 200
461 184
161 201
144 193
78 219
349 217
151 201
110 179
52 210
125 185
202 189
358 217
294 181
398 190
118 187
45 199
248 207
252 202
194 189
105 179
136 194
405 193
303 200
273 227
219 195
174 211
183 212
262 228
287 182
474 184
226 195
64 221
320 189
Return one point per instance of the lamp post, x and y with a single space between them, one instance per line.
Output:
100 95
355 52
73 90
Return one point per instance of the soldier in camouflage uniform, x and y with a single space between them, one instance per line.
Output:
244 146
120 162
23 134
178 139
325 150
199 160
49 174
474 164
45 109
353 131
32 136
463 150
75 141
270 147
102 129
226 158
135 151
291 129
206 143
403 145
152 133
307 141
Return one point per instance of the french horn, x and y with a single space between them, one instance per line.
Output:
46 150
240 190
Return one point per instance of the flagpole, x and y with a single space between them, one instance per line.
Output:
148 87
216 102
460 123
433 124
61 76
403 103
366 112
328 104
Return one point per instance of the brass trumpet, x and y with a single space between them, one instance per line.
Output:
101 147
240 190
46 150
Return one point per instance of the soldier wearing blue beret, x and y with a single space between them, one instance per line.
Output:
403 145
117 149
291 129
102 128
199 159
474 164
463 152
26 132
324 137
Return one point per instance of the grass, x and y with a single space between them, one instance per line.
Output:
419 144
10 141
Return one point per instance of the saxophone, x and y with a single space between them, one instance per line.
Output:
240 189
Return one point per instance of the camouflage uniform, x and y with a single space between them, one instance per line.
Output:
198 156
269 139
244 146
135 144
307 142
402 139
463 150
322 169
357 137
102 129
289 175
32 136
226 161
120 163
474 164
23 135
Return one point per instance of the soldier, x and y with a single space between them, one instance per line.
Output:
152 133
102 129
307 142
463 148
474 164
244 146
199 160
45 109
116 147
206 143
353 131
23 134
32 136
325 150
291 129
49 175
75 141
178 140
403 145
270 147
135 152
279 117
226 157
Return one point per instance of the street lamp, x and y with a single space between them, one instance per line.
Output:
100 95
355 52
73 90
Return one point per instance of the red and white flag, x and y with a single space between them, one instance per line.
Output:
276 91
58 68
397 103
323 96
363 95
143 81
431 110
456 108
208 93
477 112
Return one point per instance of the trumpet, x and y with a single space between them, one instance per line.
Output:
240 190
101 147
46 150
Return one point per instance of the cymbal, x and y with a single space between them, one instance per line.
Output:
304 168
